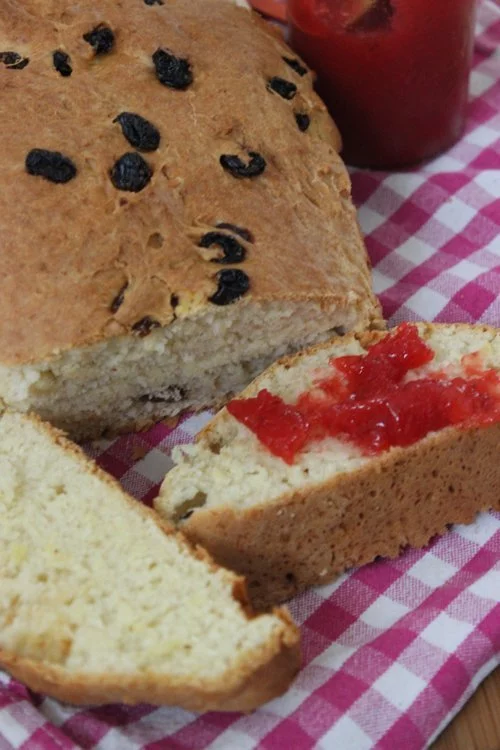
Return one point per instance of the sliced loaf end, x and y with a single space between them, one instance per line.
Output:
100 602
288 527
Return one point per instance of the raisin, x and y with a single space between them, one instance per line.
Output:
118 300
232 251
303 121
144 326
101 39
131 172
235 166
295 65
231 284
138 131
52 165
154 2
170 395
285 89
174 72
62 63
240 231
174 300
13 60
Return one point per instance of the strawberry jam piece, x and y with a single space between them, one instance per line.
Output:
279 426
369 402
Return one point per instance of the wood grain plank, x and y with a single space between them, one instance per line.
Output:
477 726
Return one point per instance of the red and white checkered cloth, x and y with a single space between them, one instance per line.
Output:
391 651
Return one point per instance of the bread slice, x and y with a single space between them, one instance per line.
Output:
120 306
100 602
287 527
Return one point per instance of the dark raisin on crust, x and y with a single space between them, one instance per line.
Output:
174 300
285 89
118 300
303 121
144 326
235 166
174 72
170 395
13 60
232 283
154 2
295 65
245 234
130 172
232 250
62 63
52 165
101 39
138 131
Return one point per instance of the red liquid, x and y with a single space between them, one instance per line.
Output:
394 73
369 401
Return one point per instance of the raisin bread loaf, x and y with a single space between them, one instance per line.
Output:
291 526
173 210
100 602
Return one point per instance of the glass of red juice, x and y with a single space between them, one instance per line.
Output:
393 73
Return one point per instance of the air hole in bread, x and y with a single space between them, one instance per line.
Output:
187 508
155 240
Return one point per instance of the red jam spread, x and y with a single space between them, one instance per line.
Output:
393 73
370 400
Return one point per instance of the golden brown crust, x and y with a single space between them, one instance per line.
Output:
243 689
405 497
247 686
69 249
402 497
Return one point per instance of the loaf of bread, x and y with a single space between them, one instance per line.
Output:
290 526
174 214
100 602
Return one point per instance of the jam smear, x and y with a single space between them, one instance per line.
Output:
369 401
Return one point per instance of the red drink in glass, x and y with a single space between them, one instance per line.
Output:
394 73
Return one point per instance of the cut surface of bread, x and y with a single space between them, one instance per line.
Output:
101 603
291 526
126 301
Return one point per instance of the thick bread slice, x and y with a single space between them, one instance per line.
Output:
100 602
288 527
110 293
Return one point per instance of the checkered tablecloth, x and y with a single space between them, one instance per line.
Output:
391 651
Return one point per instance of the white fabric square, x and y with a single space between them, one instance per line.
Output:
117 740
154 466
381 282
405 184
446 633
384 612
370 219
427 303
288 702
455 214
12 730
197 422
481 530
345 735
432 571
488 586
400 686
480 82
233 739
415 250
334 656
444 163
466 270
482 136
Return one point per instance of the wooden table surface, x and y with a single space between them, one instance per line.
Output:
477 726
